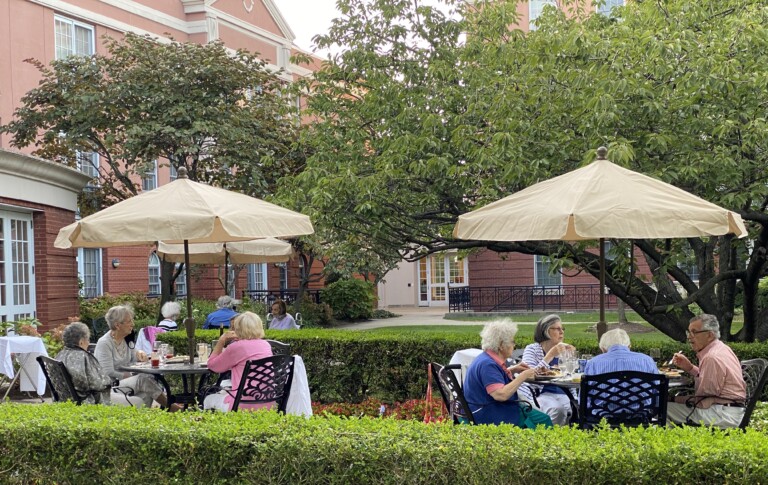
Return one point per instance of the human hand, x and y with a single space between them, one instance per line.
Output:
529 374
517 368
141 356
227 337
564 348
682 362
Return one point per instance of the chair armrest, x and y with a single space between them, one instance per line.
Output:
126 391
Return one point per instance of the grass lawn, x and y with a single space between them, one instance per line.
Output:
572 330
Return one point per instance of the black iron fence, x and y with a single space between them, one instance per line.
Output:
287 295
527 298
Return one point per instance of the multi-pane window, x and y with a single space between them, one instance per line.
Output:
154 274
283 267
543 275
17 277
257 277
181 281
535 8
89 269
174 173
72 38
88 163
607 6
149 177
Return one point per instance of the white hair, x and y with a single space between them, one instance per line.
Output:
614 337
498 333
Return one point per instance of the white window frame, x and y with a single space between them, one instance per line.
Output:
181 281
18 272
153 272
88 163
535 8
607 7
88 258
173 173
257 277
149 178
540 264
71 49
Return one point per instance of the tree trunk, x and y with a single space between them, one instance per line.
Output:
167 292
622 310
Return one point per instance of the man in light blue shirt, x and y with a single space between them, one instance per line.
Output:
617 357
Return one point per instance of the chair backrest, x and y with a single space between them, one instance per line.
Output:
623 398
59 380
99 327
755 372
517 356
266 380
436 368
458 409
279 348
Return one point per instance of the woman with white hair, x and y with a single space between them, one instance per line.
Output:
112 352
170 311
490 387
243 343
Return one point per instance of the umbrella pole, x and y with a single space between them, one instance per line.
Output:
601 325
226 270
189 322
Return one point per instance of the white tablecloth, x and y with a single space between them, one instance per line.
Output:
464 357
299 400
27 348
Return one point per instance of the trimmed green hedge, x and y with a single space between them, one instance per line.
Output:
345 366
63 443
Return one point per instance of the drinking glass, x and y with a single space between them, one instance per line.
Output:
655 354
169 352
163 352
571 365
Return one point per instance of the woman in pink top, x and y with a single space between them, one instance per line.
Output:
247 343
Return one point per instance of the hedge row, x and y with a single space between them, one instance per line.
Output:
63 443
344 366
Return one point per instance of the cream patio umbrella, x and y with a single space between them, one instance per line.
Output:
183 212
598 201
269 250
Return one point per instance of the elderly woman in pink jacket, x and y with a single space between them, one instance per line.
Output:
245 341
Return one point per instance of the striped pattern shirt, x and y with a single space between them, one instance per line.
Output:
620 358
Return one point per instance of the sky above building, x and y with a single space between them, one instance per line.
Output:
307 18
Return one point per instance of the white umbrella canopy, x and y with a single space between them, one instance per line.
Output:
269 250
601 200
185 212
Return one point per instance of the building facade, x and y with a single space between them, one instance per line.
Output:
53 29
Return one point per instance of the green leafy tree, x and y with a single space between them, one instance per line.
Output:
425 115
219 114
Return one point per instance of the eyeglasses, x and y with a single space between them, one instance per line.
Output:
692 333
557 329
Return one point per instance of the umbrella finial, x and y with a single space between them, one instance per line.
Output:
181 172
602 152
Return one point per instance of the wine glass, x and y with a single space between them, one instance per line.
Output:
571 365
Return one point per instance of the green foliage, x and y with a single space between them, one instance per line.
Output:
351 366
64 443
423 116
315 314
145 309
350 299
380 313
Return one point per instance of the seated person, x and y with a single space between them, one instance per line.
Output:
720 390
224 313
170 311
112 351
91 383
617 357
281 319
145 341
543 354
244 342
490 387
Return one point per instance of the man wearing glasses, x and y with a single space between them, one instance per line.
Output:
720 391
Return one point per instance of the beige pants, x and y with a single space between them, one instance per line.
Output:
144 386
715 415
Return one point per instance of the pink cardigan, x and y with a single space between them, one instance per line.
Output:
233 358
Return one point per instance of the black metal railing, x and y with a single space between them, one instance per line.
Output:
527 298
287 295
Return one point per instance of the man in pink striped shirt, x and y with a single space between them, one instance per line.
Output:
720 391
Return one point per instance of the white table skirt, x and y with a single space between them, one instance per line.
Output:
27 350
463 357
299 400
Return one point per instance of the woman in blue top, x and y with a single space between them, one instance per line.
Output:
490 387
